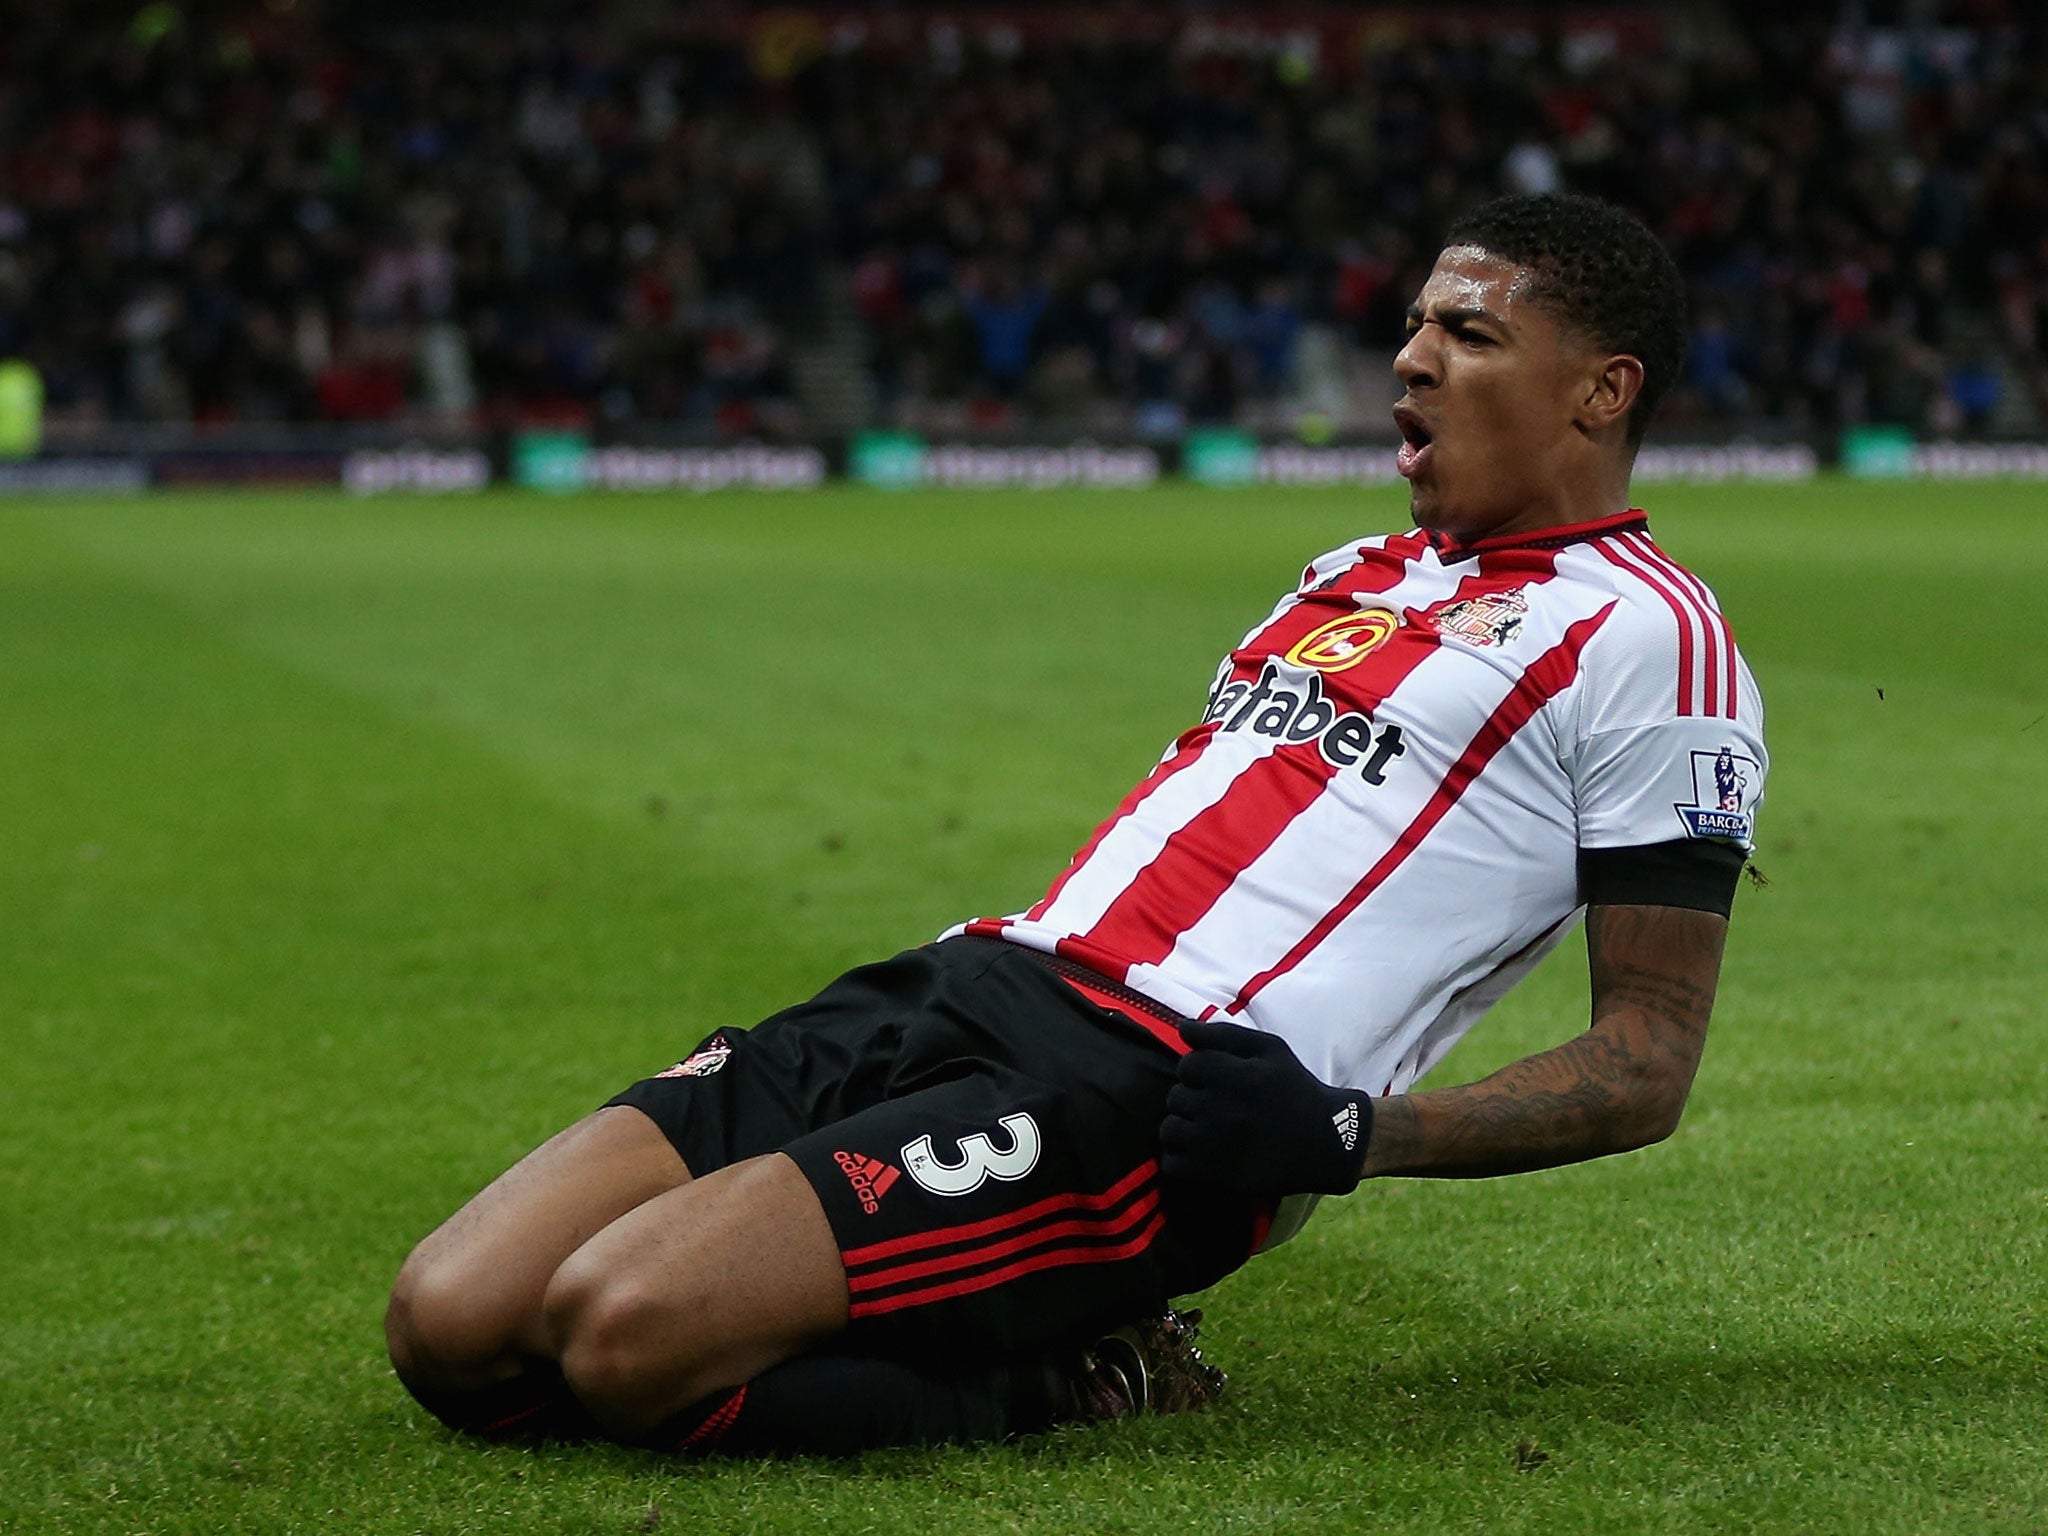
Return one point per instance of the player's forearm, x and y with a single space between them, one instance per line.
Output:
1619 1086
1605 1092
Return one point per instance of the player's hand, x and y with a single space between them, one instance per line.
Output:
1248 1115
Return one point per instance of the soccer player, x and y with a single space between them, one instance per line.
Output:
903 1210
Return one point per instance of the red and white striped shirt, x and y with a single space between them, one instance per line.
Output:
1373 832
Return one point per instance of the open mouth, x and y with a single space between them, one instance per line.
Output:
1415 440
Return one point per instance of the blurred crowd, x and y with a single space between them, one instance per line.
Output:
1120 219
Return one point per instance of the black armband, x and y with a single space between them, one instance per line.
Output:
1694 872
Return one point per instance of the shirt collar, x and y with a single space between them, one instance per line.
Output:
1556 537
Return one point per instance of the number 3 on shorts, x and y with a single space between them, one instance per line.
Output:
979 1160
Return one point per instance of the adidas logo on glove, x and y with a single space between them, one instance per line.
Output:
1346 1121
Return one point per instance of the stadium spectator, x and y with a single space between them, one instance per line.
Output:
1005 316
1122 222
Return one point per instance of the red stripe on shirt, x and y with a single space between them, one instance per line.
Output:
1713 618
1053 1259
1187 751
1375 570
1201 861
940 1237
1546 677
1199 864
1649 557
1687 674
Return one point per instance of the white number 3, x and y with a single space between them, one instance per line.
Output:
979 1160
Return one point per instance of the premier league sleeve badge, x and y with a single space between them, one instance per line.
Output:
1724 789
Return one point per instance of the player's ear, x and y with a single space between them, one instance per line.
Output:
1612 386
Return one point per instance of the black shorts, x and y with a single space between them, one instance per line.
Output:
984 1139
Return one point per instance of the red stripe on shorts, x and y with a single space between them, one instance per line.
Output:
968 1232
1078 1227
1054 1259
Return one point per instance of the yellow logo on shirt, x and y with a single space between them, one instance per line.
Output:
1344 642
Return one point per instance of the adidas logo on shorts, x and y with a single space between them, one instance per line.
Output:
870 1177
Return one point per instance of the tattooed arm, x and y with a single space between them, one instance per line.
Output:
1619 1086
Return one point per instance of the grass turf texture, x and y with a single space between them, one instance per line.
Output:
348 849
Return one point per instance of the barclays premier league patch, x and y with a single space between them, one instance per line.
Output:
1722 785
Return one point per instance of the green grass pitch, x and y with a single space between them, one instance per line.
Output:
347 849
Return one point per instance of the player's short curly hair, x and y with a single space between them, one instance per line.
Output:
1600 271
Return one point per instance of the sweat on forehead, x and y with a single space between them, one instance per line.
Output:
1479 265
1473 280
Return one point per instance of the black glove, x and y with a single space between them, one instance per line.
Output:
1248 1115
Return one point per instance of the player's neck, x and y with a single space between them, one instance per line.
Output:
1587 494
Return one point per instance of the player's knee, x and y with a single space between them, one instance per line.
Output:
600 1323
439 1326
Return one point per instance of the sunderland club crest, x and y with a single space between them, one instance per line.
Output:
1491 618
1723 787
705 1060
